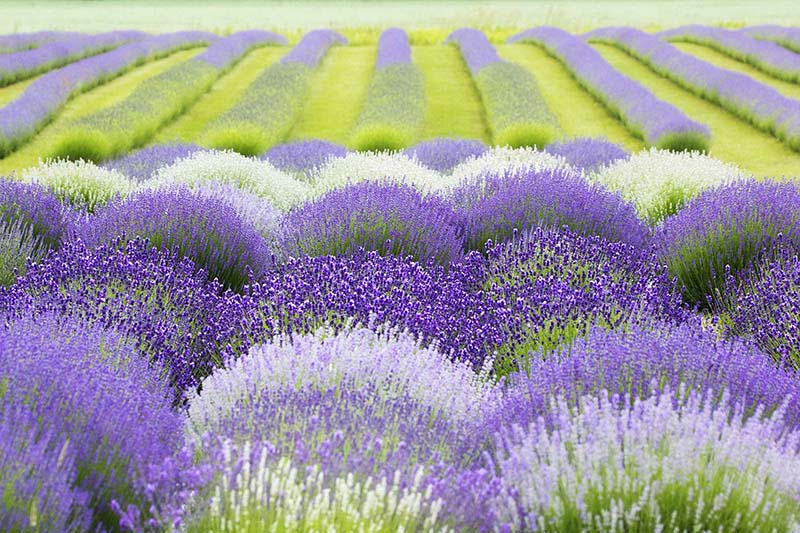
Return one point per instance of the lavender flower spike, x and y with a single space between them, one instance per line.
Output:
659 123
755 102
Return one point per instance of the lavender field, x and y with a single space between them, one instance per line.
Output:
521 276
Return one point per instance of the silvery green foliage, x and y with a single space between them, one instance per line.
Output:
500 160
81 184
659 182
375 166
227 167
394 363
256 488
658 465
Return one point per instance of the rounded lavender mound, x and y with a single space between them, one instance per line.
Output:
443 154
392 219
303 156
143 164
205 229
495 206
174 314
554 284
723 230
586 153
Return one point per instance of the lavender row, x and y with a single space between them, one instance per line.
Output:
516 113
755 102
392 112
21 65
660 124
16 42
764 55
787 37
27 114
134 120
267 109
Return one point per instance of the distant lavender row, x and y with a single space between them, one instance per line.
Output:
133 121
788 37
15 42
21 65
660 124
393 109
764 55
23 117
515 110
267 109
755 102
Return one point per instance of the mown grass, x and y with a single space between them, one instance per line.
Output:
732 139
336 91
452 105
189 126
579 114
11 92
94 100
786 88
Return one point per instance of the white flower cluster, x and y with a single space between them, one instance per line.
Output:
393 362
79 183
505 159
658 182
257 491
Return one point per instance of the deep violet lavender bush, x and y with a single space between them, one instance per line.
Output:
205 229
763 305
588 154
387 218
37 476
787 37
497 205
644 361
442 155
652 465
303 157
92 388
723 230
443 307
175 316
143 164
554 285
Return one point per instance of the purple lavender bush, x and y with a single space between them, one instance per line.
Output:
755 102
497 206
762 305
392 219
143 164
392 113
442 155
175 316
207 230
770 57
21 118
723 230
265 112
787 37
15 42
93 389
587 154
303 157
659 123
555 285
516 112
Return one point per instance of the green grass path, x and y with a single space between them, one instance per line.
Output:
578 112
335 94
732 139
791 90
453 107
91 101
223 94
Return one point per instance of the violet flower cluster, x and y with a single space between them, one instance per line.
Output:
393 109
788 37
133 121
267 109
588 154
755 102
516 112
14 42
28 113
304 157
443 155
764 55
141 165
22 65
659 123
